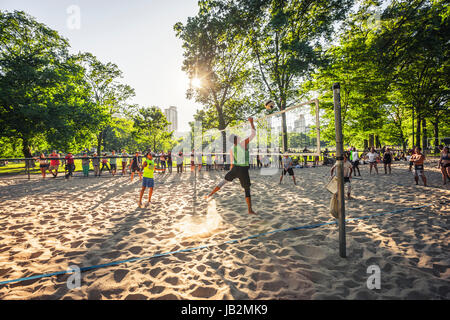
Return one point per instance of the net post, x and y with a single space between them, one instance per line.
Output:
340 168
28 164
316 101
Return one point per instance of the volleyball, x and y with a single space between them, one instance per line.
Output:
269 104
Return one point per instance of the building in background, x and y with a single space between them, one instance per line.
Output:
172 116
300 124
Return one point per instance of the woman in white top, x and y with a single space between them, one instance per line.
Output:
373 157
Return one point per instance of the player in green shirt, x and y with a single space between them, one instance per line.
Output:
239 158
148 166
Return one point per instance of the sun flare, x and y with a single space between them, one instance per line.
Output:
197 83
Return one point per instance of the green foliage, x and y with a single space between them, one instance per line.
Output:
389 71
43 95
150 130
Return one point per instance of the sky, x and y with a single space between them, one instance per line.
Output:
137 35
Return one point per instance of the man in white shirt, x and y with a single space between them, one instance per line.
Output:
373 157
355 158
180 159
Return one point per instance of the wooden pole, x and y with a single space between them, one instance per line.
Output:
28 164
340 168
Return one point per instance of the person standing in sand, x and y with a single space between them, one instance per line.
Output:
54 163
355 158
418 160
85 164
96 165
287 167
169 161
444 164
239 160
348 168
43 164
199 160
148 166
373 157
135 165
105 164
124 162
113 163
387 160
70 165
180 160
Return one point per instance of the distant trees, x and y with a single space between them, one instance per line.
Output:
391 58
394 74
50 99
43 94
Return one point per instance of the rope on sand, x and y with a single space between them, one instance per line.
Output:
114 263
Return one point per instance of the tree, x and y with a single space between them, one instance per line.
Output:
284 36
215 52
107 93
150 133
43 95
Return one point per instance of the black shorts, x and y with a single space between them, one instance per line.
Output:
290 171
387 161
418 170
447 165
355 163
241 173
134 169
113 166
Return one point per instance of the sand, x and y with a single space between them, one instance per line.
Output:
49 225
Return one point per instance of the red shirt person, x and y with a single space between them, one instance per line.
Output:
54 163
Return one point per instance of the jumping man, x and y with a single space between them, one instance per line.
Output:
239 159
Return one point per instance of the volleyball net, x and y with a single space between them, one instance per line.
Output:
294 131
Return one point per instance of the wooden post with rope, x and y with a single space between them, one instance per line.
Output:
340 168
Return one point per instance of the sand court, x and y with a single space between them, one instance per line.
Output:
48 225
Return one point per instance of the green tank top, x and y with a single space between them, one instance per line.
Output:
149 169
240 156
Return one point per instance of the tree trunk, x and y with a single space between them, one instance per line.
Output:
99 142
377 141
26 149
418 131
222 127
424 135
285 137
412 127
371 140
405 145
436 135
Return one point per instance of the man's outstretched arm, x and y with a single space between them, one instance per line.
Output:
252 135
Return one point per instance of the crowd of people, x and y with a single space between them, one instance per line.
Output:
237 162
166 161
